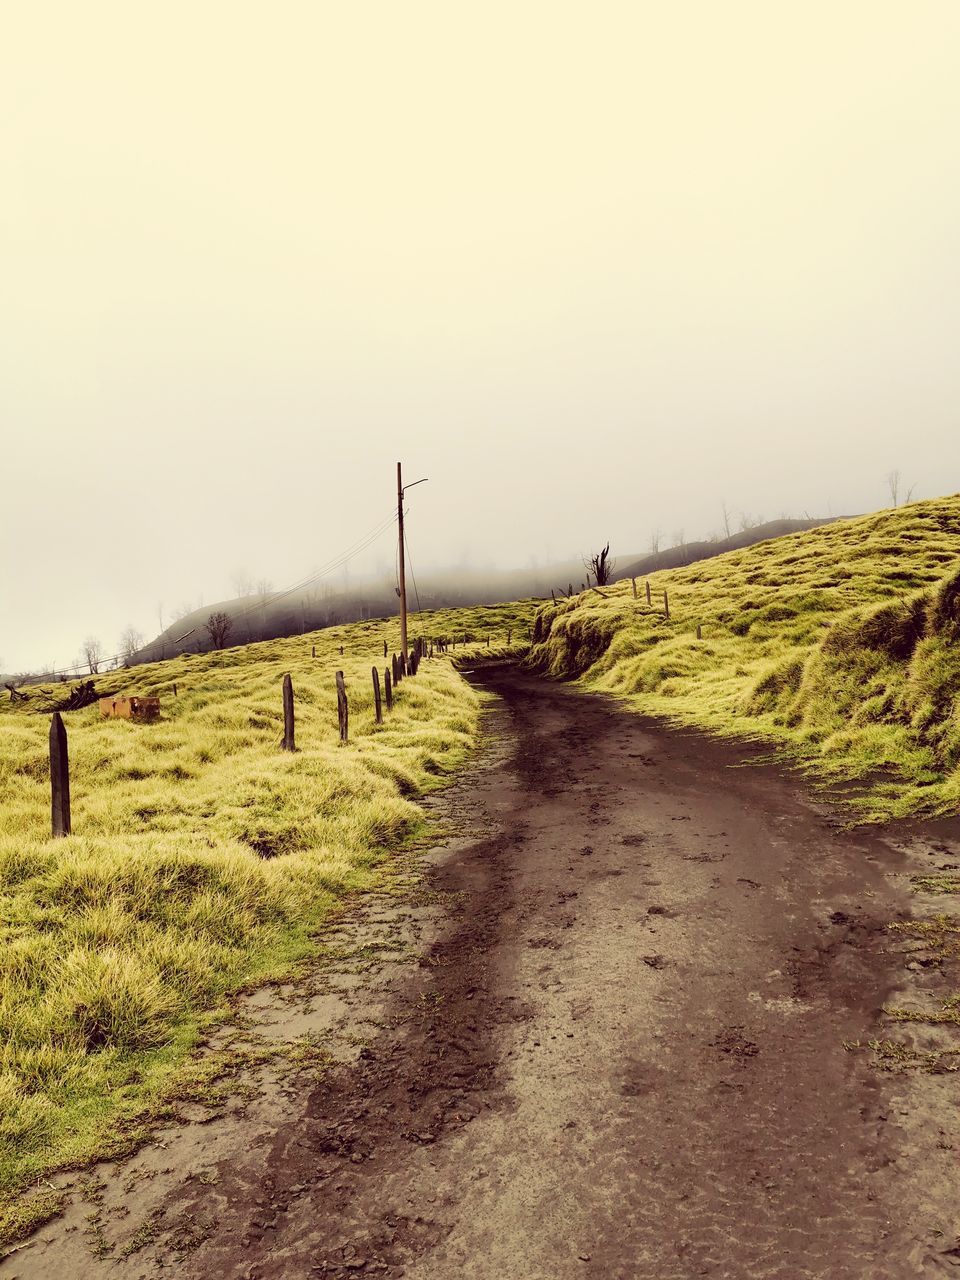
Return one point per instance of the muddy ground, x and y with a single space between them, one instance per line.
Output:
620 1030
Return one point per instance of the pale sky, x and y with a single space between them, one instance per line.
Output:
593 268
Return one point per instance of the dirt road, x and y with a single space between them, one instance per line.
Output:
619 1053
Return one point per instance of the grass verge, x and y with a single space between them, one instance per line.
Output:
204 861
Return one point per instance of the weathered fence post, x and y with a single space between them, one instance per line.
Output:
174 690
388 688
384 648
509 634
699 631
378 709
341 651
396 670
553 595
288 742
313 651
648 591
59 777
634 581
666 605
343 713
488 642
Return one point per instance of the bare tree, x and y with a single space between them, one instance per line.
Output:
130 642
894 483
264 588
219 625
601 566
748 521
655 542
725 512
92 653
242 582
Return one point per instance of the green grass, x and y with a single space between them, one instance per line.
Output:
203 859
839 645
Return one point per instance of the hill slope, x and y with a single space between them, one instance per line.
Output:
840 644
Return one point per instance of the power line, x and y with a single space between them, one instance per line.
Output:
414 577
362 544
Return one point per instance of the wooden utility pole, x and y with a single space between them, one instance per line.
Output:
403 579
402 584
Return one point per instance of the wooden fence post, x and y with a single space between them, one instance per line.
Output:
634 581
288 742
699 631
397 677
648 591
378 709
384 648
174 690
509 634
59 777
343 712
666 605
313 653
388 688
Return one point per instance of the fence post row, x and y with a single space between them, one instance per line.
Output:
378 709
388 688
59 777
343 713
288 726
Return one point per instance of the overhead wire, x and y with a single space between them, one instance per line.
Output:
362 544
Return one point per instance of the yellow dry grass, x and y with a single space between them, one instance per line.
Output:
841 645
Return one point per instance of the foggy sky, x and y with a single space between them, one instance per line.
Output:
593 268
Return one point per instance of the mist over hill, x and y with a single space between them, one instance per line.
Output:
269 615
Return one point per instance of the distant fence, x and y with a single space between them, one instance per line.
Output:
383 703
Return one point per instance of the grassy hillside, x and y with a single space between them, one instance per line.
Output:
203 858
841 644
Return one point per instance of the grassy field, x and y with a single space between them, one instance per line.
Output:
203 859
841 645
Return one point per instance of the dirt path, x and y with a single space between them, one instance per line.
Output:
620 1052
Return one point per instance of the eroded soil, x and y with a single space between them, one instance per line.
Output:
612 1035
